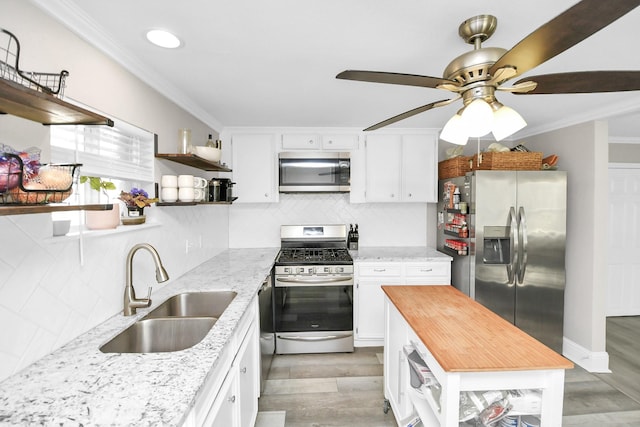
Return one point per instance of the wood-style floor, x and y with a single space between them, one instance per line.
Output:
346 389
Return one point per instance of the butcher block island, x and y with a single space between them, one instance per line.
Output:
452 362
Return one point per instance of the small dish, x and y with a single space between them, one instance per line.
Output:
134 220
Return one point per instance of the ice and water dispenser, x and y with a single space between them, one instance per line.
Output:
497 245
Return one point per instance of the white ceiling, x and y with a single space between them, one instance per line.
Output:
273 63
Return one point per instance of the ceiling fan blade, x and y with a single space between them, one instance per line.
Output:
583 82
408 114
394 78
562 32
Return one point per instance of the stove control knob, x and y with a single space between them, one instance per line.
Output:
287 270
327 269
312 270
339 269
300 270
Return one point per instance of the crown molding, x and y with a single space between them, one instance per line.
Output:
68 14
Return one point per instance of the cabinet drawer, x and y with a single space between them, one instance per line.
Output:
428 269
380 270
339 142
300 141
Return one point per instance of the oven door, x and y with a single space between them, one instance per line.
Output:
313 314
302 172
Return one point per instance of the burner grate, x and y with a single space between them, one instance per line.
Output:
313 255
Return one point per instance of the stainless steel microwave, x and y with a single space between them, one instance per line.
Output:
314 172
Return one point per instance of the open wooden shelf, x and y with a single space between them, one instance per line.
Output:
33 209
44 108
195 203
194 161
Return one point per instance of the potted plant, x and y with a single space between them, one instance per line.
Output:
101 220
136 200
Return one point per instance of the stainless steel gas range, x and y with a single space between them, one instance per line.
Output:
313 290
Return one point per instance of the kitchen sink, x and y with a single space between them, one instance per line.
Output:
160 335
180 322
194 304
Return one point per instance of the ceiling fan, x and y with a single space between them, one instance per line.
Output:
476 75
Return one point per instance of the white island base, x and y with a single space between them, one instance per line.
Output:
467 348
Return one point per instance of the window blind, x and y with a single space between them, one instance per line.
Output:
121 152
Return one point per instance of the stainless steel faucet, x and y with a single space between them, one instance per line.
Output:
131 303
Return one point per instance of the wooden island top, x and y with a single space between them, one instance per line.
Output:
465 336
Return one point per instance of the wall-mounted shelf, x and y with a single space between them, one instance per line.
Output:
195 203
190 160
33 209
194 161
43 108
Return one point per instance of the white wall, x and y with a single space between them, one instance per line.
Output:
582 150
47 297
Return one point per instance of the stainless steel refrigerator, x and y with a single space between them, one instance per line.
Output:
514 226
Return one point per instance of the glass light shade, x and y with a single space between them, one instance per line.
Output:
506 122
163 38
478 118
454 131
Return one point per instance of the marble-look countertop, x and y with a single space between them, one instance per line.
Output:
79 385
399 254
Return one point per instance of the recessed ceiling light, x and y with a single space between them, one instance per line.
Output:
163 38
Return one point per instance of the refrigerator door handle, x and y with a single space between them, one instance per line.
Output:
513 244
522 238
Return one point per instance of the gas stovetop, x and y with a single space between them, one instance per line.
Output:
317 256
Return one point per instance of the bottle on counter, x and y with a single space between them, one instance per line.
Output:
210 142
353 244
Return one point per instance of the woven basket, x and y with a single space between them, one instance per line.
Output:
510 160
451 168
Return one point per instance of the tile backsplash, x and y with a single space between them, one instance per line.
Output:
48 295
380 224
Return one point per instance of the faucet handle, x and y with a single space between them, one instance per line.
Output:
149 294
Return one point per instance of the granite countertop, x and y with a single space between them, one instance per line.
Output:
399 254
79 385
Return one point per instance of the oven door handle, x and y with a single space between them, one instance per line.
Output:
315 338
316 281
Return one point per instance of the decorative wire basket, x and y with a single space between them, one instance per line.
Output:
51 184
51 83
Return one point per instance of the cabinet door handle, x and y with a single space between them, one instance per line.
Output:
410 194
232 399
243 370
266 194
311 141
379 270
426 270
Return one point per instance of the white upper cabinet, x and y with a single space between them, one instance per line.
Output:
384 166
254 168
419 168
339 142
401 168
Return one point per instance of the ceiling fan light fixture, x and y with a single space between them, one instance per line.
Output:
454 131
506 122
477 118
163 38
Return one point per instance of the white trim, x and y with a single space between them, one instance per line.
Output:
592 361
624 140
80 23
624 165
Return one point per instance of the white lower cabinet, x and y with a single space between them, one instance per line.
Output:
229 397
369 298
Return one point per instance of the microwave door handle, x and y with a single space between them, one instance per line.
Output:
524 243
513 255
